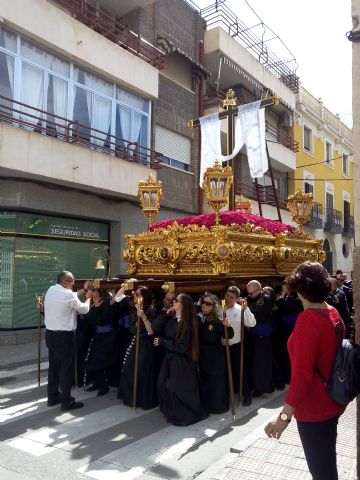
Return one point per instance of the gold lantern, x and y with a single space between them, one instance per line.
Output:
102 262
150 196
243 204
217 183
300 205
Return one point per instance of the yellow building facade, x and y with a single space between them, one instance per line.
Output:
324 167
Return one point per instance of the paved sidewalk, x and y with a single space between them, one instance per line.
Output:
267 459
254 457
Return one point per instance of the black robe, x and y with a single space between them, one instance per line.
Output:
102 352
212 364
259 345
179 384
146 396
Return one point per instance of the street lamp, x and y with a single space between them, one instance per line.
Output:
217 182
300 205
150 196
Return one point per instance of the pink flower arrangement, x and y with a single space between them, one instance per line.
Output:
228 218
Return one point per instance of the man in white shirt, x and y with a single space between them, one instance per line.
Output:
61 306
233 314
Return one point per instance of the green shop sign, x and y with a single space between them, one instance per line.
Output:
29 224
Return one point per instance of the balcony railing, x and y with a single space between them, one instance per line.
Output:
255 39
333 220
349 229
282 137
266 194
316 217
71 131
107 25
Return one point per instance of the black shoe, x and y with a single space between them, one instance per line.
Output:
256 394
103 391
57 401
247 401
280 387
92 388
66 407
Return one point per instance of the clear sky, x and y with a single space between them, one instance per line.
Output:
314 31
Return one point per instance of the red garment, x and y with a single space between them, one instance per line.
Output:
313 342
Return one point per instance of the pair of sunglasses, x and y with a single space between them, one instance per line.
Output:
208 304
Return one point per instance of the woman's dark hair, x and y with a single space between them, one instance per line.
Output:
312 281
102 292
188 320
214 314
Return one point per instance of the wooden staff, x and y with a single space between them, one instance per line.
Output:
137 343
243 306
228 361
75 361
39 300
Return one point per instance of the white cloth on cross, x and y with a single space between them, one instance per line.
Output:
249 129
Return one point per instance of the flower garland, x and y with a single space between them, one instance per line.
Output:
228 218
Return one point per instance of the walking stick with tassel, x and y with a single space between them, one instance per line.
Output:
243 307
39 300
137 342
228 361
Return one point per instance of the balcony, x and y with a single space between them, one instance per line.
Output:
71 131
333 221
266 194
349 229
281 137
316 217
106 25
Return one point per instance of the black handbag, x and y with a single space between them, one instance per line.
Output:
343 385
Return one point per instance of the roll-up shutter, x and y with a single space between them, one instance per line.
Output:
172 145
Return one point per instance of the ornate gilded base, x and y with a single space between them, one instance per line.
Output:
235 250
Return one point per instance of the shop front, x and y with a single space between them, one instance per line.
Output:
33 249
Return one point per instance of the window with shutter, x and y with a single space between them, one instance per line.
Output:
174 149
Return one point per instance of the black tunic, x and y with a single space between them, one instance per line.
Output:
212 364
179 385
102 352
260 344
146 396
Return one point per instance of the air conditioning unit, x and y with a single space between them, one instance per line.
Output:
287 120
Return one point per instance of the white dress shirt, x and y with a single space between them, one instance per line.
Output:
61 306
233 314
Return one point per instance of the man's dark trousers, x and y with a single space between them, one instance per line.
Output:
61 365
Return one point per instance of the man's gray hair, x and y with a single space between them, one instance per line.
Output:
60 277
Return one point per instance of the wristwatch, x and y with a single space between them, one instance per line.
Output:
284 417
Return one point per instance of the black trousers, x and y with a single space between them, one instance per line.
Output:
235 367
319 443
61 364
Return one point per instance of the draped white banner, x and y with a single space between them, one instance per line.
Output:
249 129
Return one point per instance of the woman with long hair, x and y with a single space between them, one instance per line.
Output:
312 348
212 361
142 312
178 384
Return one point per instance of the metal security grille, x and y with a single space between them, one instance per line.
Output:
172 145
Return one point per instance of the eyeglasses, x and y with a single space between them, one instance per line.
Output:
252 293
208 304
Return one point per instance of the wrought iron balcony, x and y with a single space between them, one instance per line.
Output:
266 194
349 228
316 217
33 119
281 137
333 221
106 24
